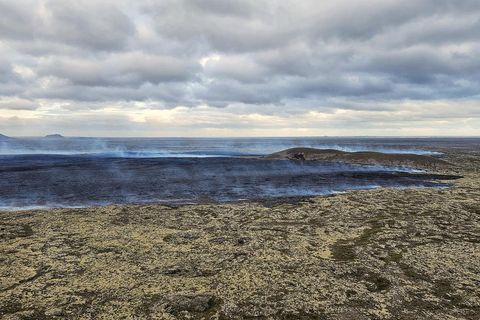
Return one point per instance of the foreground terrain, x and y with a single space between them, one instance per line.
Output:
378 254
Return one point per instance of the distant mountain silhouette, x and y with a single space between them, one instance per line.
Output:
54 136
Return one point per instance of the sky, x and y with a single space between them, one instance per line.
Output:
192 68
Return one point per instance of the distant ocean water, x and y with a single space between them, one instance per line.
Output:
204 147
66 172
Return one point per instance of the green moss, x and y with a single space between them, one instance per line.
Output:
413 274
343 250
378 283
394 256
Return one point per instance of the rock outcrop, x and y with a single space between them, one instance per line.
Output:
364 157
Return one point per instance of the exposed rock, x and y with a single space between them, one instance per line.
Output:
299 156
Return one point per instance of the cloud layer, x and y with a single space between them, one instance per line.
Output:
214 67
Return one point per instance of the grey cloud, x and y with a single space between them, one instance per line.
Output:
86 24
169 95
272 56
18 104
434 29
95 24
120 70
279 91
240 68
244 8
241 27
271 24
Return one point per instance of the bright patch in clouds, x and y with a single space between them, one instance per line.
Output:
204 60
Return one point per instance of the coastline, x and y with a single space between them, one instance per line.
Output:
368 254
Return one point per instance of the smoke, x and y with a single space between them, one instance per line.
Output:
77 172
69 181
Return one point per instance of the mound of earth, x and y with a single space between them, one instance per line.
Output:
364 157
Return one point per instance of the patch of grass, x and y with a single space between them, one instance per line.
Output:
394 256
344 250
368 234
413 274
443 289
36 315
10 307
12 231
377 283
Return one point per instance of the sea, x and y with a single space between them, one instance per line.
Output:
80 172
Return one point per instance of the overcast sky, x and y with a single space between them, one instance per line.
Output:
240 68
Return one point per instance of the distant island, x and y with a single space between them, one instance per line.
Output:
54 136
4 137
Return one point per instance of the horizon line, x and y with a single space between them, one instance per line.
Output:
249 137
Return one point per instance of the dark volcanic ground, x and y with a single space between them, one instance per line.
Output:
62 181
